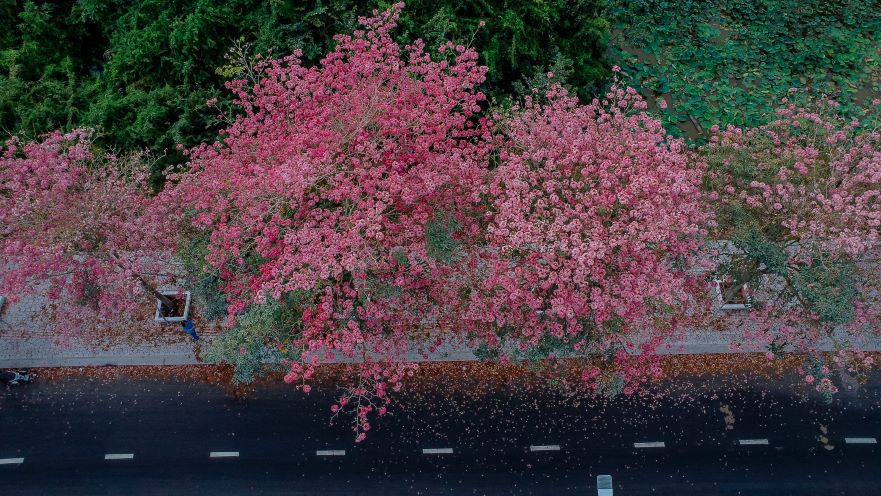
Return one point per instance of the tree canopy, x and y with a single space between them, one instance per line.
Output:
141 71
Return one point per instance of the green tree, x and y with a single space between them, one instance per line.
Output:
140 71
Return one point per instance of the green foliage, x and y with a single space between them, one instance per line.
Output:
828 290
376 288
439 232
205 281
731 61
521 38
39 64
141 71
487 354
611 385
560 71
769 255
251 345
546 346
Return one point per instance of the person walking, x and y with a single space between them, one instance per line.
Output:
190 328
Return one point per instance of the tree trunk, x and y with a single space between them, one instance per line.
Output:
166 301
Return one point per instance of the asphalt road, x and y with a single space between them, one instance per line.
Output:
713 442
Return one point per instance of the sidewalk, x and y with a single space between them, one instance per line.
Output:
42 352
24 343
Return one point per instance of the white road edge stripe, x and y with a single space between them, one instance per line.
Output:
224 454
330 453
545 447
11 461
437 451
119 456
744 442
860 440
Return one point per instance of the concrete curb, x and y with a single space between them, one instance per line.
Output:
98 361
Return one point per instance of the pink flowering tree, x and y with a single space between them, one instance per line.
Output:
346 193
78 230
596 213
799 207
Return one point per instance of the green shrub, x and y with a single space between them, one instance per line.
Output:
204 281
251 346
731 61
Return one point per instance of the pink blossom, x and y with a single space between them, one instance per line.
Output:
82 229
818 199
331 176
582 203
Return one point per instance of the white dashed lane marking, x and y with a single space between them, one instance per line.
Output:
748 442
119 456
449 451
860 440
224 454
331 453
545 447
653 444
437 451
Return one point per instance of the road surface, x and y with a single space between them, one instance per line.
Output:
129 436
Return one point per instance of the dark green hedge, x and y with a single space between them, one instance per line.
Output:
141 70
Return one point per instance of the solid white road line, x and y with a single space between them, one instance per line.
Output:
224 454
119 456
655 444
744 442
860 440
331 453
545 447
437 451
11 461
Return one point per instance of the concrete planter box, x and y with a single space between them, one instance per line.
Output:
744 303
182 297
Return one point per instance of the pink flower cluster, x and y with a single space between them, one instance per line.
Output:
325 186
813 187
79 229
592 204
